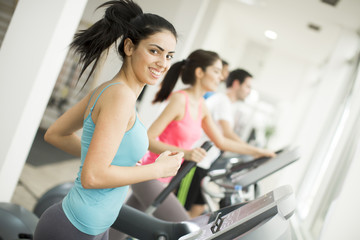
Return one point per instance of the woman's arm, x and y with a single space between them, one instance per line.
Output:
228 144
115 111
62 134
175 110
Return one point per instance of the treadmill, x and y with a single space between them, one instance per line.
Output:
237 175
263 218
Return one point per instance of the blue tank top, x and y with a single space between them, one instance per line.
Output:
93 211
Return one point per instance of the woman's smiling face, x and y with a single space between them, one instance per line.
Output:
151 58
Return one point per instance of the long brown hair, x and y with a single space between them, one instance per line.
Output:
122 19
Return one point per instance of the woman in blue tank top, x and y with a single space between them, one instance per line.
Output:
113 138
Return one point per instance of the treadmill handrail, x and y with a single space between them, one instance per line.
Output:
175 181
241 166
184 169
267 168
237 168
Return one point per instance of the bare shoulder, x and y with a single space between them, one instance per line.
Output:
122 91
117 97
175 109
177 98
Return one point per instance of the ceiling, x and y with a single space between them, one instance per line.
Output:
290 19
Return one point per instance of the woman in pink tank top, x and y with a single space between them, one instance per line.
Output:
179 126
177 132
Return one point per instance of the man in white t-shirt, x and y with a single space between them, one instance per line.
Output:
220 105
238 87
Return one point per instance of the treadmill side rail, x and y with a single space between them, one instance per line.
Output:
259 172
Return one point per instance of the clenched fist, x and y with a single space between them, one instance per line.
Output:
168 163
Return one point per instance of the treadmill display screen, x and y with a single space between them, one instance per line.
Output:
233 220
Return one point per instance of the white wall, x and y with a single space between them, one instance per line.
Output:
31 56
342 218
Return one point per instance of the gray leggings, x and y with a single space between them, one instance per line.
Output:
143 195
54 225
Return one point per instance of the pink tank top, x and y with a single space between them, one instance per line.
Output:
183 133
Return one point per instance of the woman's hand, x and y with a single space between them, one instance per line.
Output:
195 155
168 163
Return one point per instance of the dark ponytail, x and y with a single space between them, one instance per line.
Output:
122 19
185 69
169 82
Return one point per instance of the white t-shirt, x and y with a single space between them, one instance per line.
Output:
220 108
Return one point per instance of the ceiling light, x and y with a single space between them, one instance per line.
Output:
254 2
270 34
